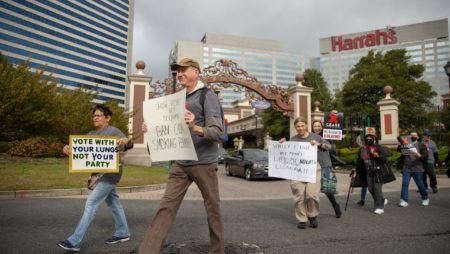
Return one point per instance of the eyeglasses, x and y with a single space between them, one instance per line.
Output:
94 116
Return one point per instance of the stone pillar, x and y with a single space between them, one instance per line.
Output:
139 90
446 100
389 119
317 114
301 96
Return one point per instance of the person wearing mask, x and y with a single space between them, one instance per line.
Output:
324 159
206 127
362 198
370 159
413 167
105 189
433 159
306 194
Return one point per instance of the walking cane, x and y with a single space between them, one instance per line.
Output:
349 189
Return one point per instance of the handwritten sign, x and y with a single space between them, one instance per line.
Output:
293 160
169 137
93 154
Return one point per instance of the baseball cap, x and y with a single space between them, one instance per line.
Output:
186 62
427 133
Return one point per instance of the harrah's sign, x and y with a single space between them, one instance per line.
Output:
368 40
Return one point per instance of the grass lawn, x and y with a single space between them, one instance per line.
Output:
51 173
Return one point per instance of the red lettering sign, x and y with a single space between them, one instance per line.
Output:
364 41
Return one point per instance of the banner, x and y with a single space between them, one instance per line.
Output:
169 137
406 146
93 154
293 160
333 125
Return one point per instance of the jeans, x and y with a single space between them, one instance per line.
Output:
363 193
102 192
418 179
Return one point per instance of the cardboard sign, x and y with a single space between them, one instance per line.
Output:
169 137
293 160
93 154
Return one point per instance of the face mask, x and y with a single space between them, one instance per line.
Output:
369 141
413 139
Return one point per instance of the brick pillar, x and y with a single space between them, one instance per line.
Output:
301 96
389 119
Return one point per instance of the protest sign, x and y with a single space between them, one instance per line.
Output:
333 125
93 154
406 146
169 137
293 160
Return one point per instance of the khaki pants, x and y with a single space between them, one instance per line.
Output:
180 178
306 198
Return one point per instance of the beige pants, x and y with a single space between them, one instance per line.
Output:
205 176
306 198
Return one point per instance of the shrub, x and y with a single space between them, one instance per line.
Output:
5 146
37 147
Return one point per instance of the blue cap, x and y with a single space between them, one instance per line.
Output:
427 133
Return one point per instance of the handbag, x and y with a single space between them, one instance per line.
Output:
93 180
387 173
328 185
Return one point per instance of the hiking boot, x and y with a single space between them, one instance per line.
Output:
313 222
301 225
117 239
361 203
66 245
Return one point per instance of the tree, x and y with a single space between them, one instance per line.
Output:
364 89
315 80
275 123
27 102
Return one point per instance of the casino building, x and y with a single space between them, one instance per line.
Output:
426 43
85 44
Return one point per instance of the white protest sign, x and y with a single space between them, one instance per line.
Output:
332 134
169 137
93 154
293 160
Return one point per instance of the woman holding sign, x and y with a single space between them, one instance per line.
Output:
104 188
306 194
324 159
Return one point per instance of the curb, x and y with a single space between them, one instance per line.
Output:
19 194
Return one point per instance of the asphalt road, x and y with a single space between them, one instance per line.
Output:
257 214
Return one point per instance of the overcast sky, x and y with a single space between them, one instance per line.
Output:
298 24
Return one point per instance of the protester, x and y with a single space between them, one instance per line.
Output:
413 167
362 199
105 189
370 160
306 194
205 124
324 160
433 159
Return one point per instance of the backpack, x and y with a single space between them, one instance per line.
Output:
203 92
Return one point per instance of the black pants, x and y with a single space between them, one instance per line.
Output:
429 170
375 186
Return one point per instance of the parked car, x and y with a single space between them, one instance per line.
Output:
222 154
248 163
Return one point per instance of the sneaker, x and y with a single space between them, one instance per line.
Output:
301 225
313 222
426 202
435 190
385 201
379 211
66 245
403 203
361 203
117 239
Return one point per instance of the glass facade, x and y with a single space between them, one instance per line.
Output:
268 67
432 52
85 44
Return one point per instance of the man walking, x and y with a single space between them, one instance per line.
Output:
206 126
433 158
